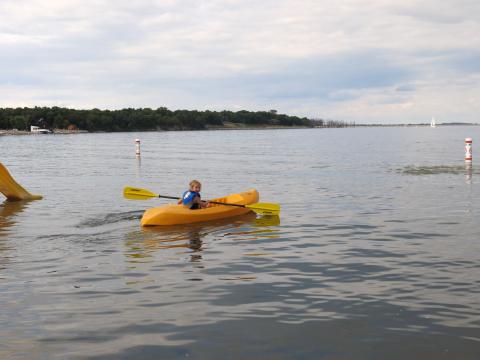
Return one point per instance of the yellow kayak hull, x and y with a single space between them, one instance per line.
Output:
173 214
13 190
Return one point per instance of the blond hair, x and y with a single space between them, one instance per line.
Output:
195 182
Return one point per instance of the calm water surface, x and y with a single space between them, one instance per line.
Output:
376 254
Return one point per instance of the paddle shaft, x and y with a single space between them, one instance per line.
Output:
211 202
143 194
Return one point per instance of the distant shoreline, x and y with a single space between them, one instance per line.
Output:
229 127
56 131
63 132
416 125
210 128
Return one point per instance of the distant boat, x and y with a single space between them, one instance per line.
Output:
37 130
433 123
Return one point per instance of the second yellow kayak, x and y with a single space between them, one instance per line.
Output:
173 214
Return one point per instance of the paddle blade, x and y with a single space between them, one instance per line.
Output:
133 193
265 208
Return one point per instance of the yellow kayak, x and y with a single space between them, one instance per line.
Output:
13 190
173 214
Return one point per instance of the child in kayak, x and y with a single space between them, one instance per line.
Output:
191 198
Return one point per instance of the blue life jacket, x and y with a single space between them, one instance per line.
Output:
188 197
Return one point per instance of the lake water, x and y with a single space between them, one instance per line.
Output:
376 254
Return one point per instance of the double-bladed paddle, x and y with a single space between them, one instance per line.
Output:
133 193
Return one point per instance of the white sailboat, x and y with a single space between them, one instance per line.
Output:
433 123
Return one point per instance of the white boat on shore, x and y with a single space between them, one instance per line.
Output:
433 123
38 130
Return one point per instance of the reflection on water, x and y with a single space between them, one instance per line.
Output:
138 167
8 211
267 220
468 172
143 243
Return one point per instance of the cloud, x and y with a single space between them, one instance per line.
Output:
438 13
321 78
385 61
405 87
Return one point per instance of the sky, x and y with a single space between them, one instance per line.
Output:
363 61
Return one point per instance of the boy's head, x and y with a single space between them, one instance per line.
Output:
195 186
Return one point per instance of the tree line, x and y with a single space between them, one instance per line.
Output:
144 119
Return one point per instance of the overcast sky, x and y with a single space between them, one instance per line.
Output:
380 61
